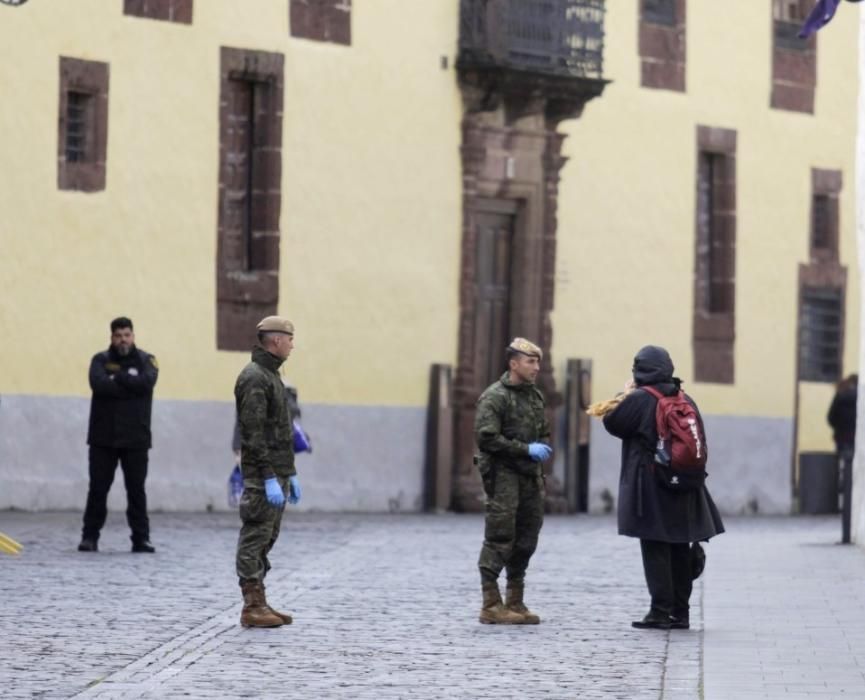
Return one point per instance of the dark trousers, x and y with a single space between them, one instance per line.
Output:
668 576
103 464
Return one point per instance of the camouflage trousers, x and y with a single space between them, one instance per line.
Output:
514 516
258 532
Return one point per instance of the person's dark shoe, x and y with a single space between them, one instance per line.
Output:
653 621
143 547
680 622
88 545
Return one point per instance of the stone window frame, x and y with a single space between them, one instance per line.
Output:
321 20
714 331
179 11
90 78
663 48
794 60
246 292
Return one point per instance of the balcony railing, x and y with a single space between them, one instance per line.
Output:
553 37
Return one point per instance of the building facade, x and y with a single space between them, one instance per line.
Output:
735 245
412 184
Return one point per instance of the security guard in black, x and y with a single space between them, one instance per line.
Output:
122 380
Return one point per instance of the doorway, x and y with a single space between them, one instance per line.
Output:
496 222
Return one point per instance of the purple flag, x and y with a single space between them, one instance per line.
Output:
820 16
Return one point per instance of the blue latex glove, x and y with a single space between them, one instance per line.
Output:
293 490
274 493
539 452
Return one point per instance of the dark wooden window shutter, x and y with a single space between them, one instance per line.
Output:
321 20
715 261
250 176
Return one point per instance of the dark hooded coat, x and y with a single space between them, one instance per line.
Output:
842 415
646 509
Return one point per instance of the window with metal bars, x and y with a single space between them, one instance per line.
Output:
821 225
79 116
82 124
660 12
821 319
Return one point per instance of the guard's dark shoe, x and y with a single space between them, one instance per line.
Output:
653 621
680 622
143 547
88 545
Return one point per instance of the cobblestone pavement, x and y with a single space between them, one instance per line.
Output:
386 607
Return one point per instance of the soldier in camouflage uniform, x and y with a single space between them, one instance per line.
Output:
267 463
512 435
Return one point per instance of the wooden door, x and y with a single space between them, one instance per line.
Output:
495 235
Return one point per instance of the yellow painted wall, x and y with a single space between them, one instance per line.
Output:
627 199
371 200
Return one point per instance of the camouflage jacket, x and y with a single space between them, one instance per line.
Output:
509 417
266 439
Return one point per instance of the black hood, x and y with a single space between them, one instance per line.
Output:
653 365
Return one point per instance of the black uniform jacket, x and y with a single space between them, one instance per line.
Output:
122 399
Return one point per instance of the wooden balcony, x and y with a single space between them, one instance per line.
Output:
548 48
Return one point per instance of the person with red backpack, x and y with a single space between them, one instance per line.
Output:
663 500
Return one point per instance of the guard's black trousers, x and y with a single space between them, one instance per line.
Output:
103 464
668 576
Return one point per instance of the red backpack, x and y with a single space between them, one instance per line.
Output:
681 452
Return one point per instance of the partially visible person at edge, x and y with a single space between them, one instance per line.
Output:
122 380
842 416
665 521
267 463
512 436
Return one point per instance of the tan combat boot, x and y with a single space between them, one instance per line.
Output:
514 603
493 612
255 611
285 617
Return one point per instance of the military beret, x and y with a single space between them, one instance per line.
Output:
526 347
275 324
